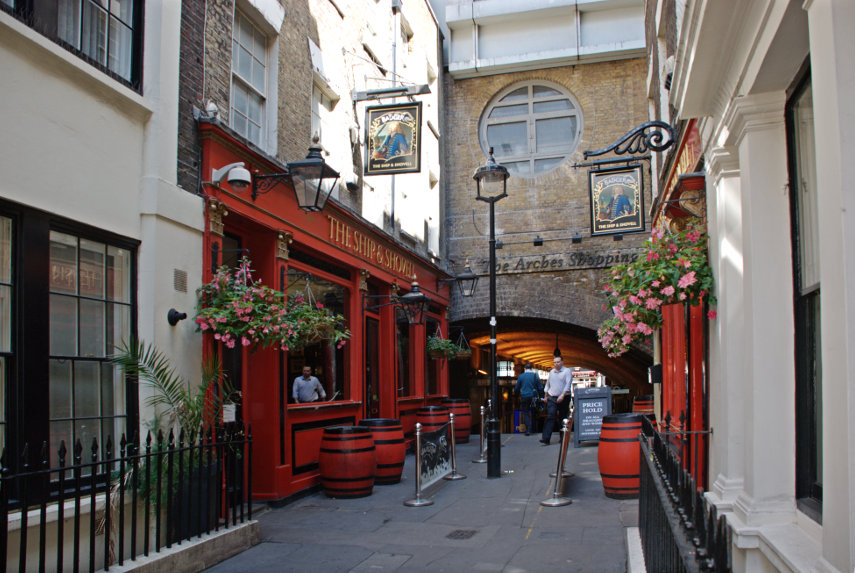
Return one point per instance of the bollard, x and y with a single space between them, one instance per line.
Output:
418 501
453 475
557 500
481 448
564 446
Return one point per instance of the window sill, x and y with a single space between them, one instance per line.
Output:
324 405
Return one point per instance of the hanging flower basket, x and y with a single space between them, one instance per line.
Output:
240 311
439 347
672 269
464 351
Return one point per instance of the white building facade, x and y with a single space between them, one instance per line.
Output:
770 84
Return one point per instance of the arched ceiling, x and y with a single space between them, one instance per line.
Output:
532 340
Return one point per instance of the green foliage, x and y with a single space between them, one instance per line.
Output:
447 348
672 269
176 399
240 311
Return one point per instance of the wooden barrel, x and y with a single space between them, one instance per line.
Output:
432 418
462 418
347 461
391 449
619 455
643 404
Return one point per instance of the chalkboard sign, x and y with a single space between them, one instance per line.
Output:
590 405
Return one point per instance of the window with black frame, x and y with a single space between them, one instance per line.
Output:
405 384
806 281
105 33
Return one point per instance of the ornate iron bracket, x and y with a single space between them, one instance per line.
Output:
660 137
261 184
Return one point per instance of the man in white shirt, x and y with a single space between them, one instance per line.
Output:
558 392
307 388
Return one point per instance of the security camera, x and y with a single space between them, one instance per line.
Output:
239 178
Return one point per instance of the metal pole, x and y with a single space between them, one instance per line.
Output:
453 475
556 500
494 433
418 502
481 451
565 441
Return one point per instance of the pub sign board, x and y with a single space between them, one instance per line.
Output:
393 139
590 405
617 200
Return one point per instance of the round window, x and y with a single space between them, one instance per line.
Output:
532 128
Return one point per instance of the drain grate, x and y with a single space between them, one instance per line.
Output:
462 533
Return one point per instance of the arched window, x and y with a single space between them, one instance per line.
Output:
532 127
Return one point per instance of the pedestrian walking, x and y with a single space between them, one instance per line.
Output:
559 392
530 390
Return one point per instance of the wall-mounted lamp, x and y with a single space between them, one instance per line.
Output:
173 316
617 237
577 238
312 178
499 244
414 304
538 241
466 281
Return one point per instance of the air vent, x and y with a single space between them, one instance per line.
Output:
179 280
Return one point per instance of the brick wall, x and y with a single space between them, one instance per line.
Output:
190 92
556 205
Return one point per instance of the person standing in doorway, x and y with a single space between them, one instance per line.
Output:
559 391
307 388
530 390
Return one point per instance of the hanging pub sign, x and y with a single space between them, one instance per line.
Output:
394 139
616 200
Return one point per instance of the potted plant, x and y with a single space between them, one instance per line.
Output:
672 269
240 311
439 347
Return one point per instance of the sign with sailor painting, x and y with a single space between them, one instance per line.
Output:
616 200
394 134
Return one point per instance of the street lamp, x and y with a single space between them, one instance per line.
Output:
491 185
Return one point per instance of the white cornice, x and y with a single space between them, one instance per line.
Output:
751 113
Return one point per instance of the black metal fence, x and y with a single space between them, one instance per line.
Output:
101 512
680 531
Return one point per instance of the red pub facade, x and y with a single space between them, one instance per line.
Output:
337 258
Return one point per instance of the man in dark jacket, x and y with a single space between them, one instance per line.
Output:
530 390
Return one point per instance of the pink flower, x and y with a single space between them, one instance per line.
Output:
244 340
668 290
319 305
651 256
682 296
684 263
693 236
687 280
712 314
652 303
643 328
634 299
203 326
627 338
654 284
217 336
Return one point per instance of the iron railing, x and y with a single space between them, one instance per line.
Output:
101 512
679 530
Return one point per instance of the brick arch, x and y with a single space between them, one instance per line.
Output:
527 339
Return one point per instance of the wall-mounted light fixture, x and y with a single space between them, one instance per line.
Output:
312 178
577 238
466 281
617 237
499 244
538 241
414 304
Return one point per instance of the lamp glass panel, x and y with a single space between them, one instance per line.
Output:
306 184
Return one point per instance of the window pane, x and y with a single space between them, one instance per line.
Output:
239 124
123 9
521 93
245 31
119 60
91 268
543 91
86 431
68 21
60 389
91 328
554 105
258 44
118 281
541 165
61 432
253 133
555 134
254 109
508 110
5 250
258 75
518 168
63 325
93 41
108 405
87 389
5 319
118 325
508 138
244 64
3 379
807 197
63 263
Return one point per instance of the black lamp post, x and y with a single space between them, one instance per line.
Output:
491 184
